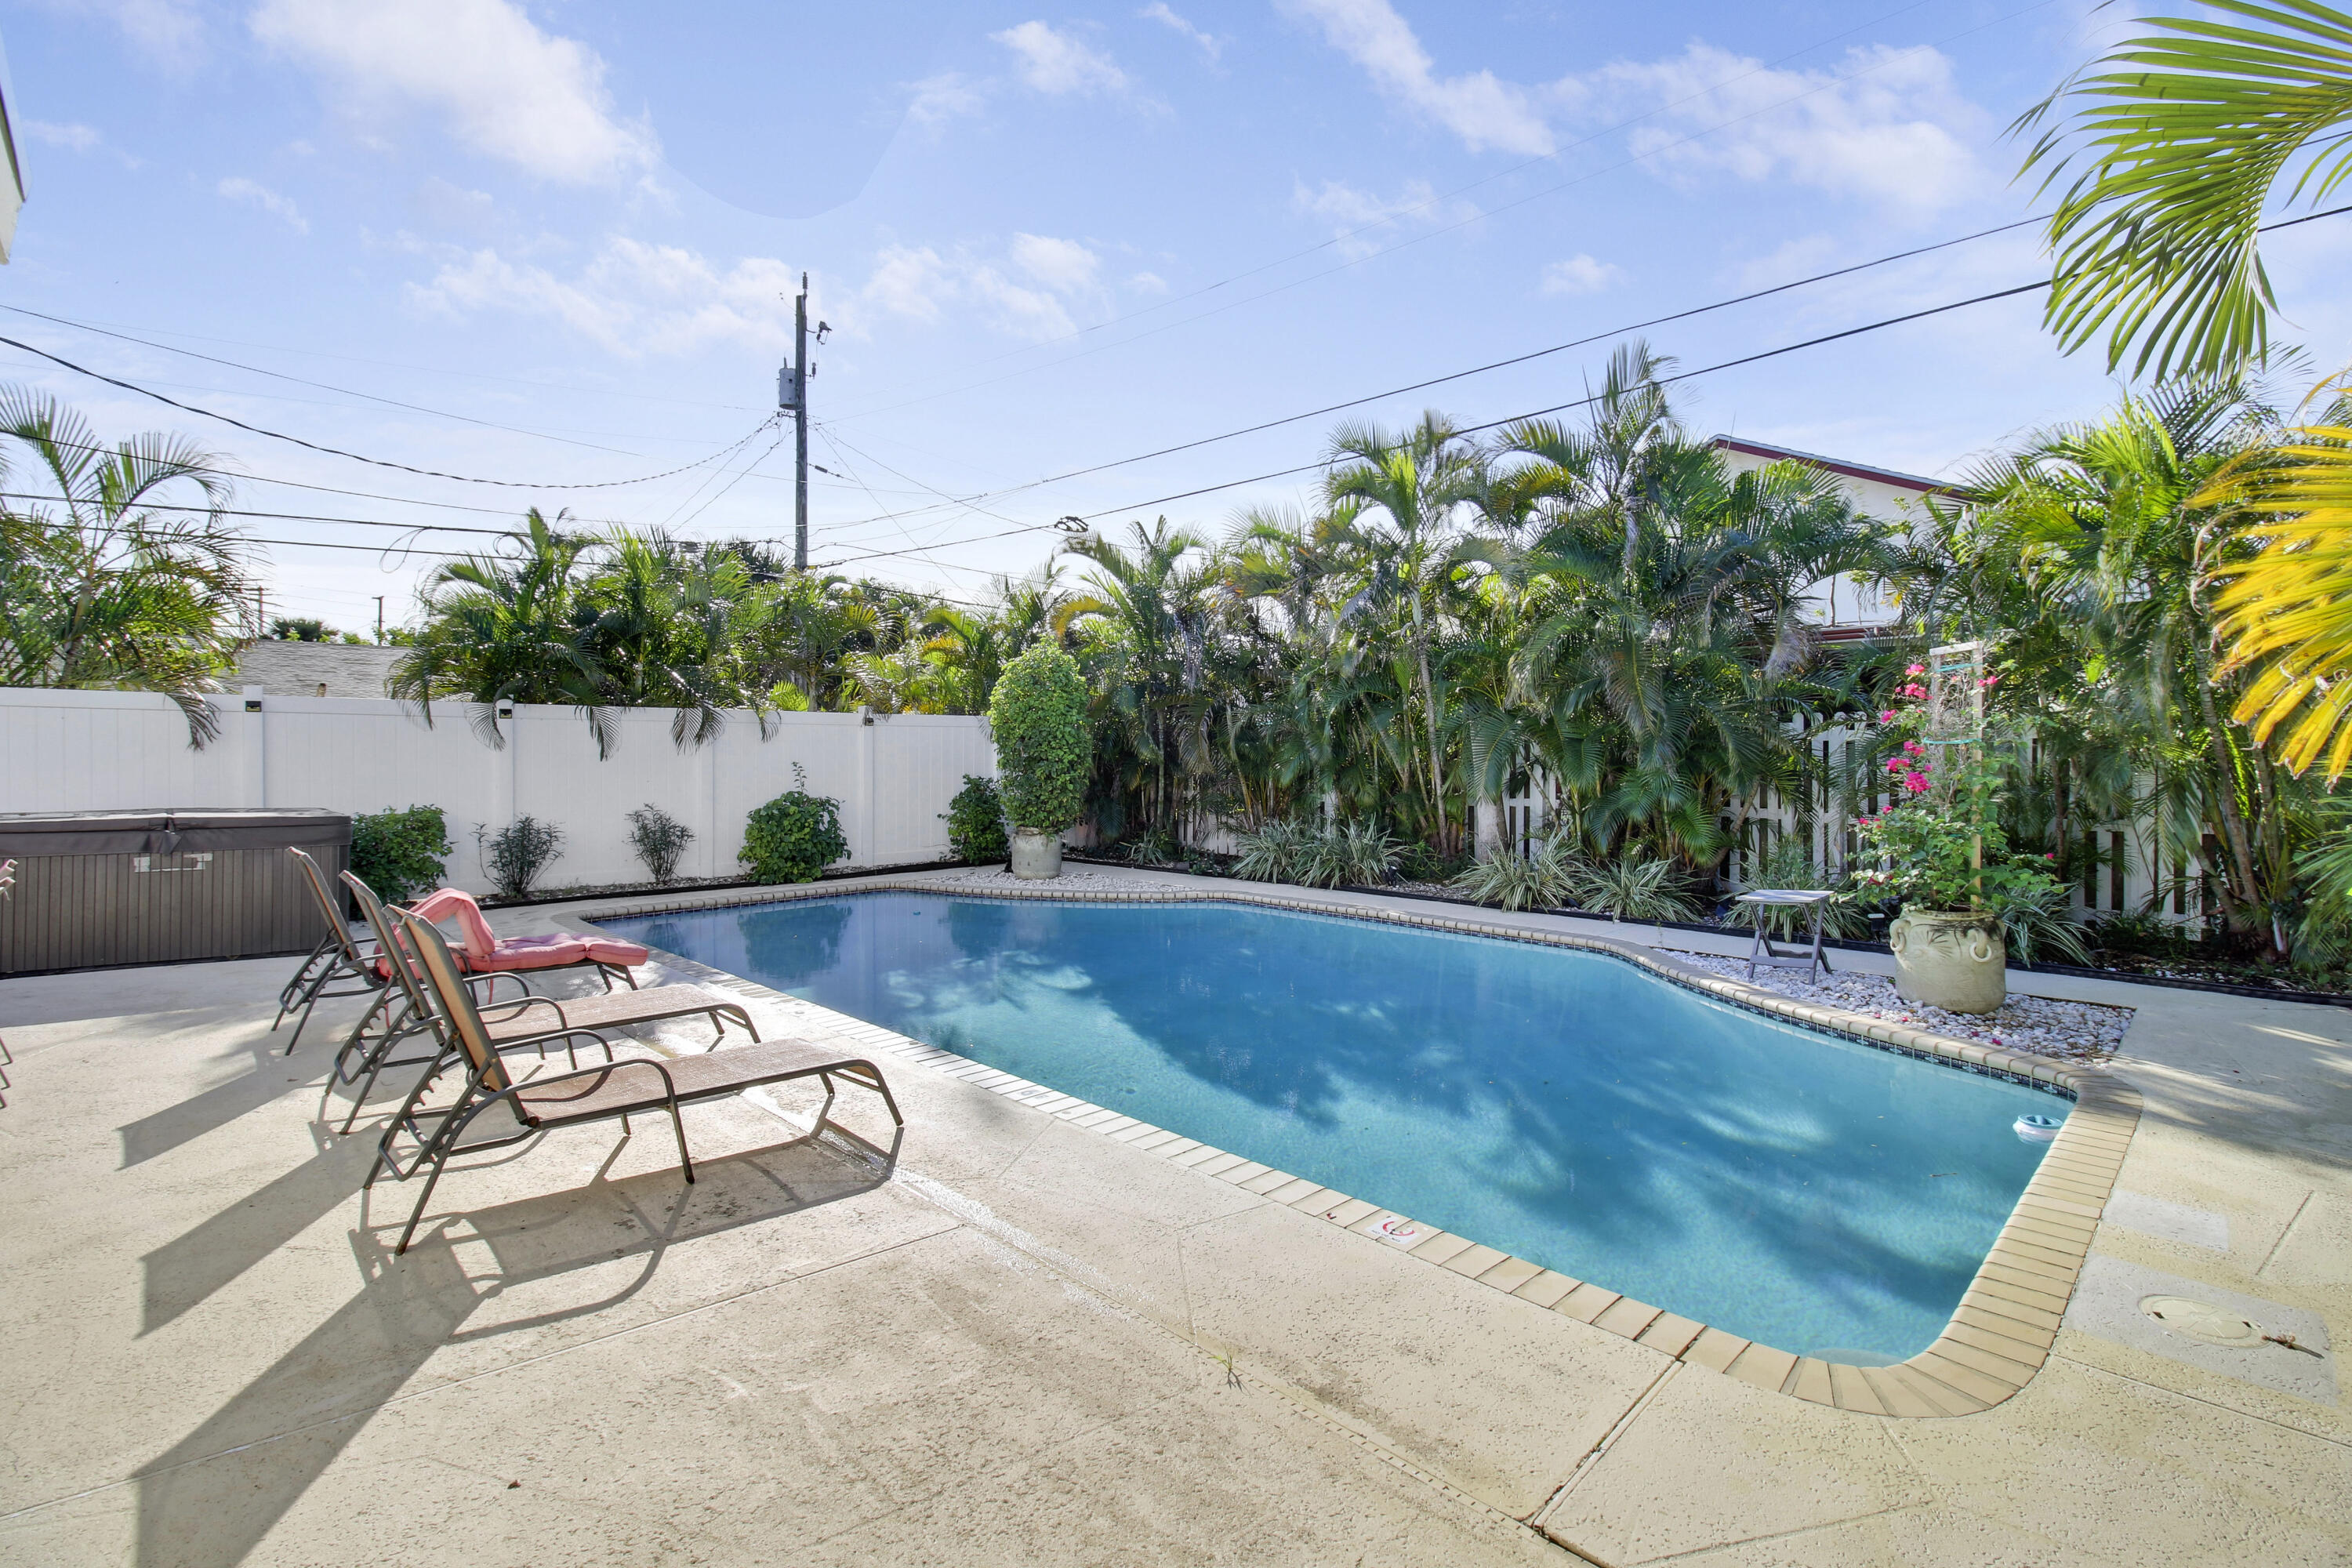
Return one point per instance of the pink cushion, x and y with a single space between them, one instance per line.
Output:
485 952
532 952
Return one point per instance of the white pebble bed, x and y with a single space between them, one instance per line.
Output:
1087 878
2035 1025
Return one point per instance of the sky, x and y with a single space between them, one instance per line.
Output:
554 245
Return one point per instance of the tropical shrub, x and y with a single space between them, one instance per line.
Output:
794 836
400 854
1790 869
1044 752
515 853
2036 922
1351 855
1633 887
975 820
659 839
1272 852
1542 878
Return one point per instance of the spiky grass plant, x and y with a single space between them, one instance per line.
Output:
1636 886
1544 878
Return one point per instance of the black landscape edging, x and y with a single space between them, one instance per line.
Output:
655 890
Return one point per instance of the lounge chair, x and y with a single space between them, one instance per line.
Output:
512 1024
614 1091
337 966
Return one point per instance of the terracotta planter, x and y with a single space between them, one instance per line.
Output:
1036 855
1951 959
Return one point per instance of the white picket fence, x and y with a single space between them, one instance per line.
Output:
104 751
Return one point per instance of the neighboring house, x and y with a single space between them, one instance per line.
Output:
316 669
1848 610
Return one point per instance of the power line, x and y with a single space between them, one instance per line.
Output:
1531 413
379 462
279 516
1579 403
302 381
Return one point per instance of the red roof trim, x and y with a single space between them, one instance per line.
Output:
1851 470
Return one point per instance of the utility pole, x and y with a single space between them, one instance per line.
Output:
379 620
792 396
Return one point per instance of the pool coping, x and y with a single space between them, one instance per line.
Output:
2000 1336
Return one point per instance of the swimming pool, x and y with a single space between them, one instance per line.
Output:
1796 1188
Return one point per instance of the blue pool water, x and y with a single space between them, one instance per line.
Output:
1810 1193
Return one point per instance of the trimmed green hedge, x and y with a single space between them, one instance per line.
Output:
975 820
793 837
1043 747
399 854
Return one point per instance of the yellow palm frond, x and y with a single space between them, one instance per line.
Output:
2285 613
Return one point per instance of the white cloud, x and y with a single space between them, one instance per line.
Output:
252 192
1056 64
1357 216
1891 126
920 284
1158 11
1062 265
1480 109
77 137
633 297
1147 283
939 99
1580 274
504 89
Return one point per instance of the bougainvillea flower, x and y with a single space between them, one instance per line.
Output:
1886 715
1917 669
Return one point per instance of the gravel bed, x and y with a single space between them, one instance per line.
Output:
1086 879
2078 1031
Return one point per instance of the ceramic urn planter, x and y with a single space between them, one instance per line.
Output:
1036 855
1952 959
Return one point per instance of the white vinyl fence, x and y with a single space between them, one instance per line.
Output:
105 751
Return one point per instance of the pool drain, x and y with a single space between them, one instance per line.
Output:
2203 1321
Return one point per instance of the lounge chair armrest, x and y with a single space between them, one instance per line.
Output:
492 979
669 1086
509 1011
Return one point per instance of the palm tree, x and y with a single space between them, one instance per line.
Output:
98 589
2106 527
2178 139
508 625
1423 483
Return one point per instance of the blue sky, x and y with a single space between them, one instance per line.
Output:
1045 241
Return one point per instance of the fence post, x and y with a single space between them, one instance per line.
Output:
708 762
255 720
864 850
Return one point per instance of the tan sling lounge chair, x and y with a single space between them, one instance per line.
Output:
525 1021
523 1109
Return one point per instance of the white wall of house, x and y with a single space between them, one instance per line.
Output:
99 751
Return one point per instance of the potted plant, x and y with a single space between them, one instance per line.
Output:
1038 714
1943 854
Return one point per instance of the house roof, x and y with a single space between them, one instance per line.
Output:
1838 465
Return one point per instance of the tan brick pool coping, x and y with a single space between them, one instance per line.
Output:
1998 1339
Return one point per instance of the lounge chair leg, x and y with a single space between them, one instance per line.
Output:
421 1199
677 1122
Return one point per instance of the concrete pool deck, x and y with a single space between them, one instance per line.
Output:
1030 1342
